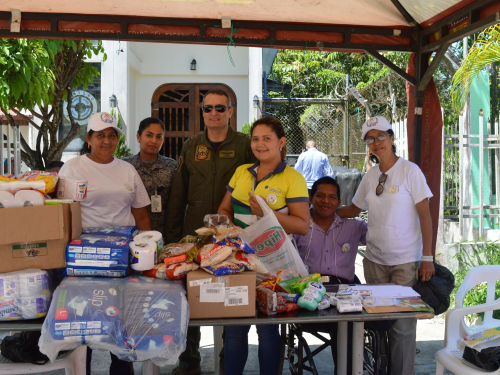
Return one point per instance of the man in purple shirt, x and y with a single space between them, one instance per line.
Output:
330 248
331 245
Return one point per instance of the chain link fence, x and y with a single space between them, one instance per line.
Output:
324 121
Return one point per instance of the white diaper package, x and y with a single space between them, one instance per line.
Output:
137 318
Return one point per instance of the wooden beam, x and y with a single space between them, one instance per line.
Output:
411 21
396 69
468 30
458 15
432 67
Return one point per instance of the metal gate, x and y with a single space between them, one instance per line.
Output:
179 107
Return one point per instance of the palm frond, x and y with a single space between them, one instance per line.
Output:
485 51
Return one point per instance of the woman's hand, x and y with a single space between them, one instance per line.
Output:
427 270
255 206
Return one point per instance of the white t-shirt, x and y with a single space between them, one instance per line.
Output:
112 190
394 236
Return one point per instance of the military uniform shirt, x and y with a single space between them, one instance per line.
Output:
157 178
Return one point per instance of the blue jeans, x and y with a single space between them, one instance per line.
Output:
236 349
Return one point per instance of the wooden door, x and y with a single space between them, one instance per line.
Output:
178 105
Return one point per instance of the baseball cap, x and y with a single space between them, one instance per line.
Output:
102 120
377 122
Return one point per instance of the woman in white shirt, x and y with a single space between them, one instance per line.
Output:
115 194
396 195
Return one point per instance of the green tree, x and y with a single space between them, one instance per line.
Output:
122 150
484 52
36 77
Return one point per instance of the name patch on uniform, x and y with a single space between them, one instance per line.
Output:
227 154
202 153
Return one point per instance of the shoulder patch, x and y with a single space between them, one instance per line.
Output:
179 164
202 153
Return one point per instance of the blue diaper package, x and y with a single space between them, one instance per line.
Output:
129 231
137 318
98 255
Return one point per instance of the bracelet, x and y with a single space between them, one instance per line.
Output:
427 258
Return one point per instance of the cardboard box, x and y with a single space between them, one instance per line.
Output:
230 296
36 237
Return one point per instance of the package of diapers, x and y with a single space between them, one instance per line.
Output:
24 294
136 318
98 255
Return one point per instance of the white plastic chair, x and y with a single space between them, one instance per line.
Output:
74 362
451 356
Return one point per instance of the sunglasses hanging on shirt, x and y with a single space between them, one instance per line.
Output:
219 108
381 181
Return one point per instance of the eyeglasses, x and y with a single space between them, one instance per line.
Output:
381 181
219 108
381 137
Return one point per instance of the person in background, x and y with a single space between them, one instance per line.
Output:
156 171
313 164
396 195
55 166
330 248
285 191
115 194
204 168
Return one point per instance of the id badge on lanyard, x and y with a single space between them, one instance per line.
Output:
156 202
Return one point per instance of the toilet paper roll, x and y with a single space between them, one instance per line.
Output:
151 236
143 255
34 307
33 283
8 285
7 199
10 309
72 188
24 198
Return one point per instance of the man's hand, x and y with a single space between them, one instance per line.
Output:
427 270
255 206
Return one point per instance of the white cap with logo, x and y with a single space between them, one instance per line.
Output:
102 120
377 122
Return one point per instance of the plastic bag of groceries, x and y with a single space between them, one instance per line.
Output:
272 245
137 318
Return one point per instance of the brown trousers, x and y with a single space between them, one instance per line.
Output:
403 334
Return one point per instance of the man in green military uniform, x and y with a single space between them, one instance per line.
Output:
205 166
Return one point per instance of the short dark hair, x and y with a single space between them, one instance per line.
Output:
220 93
55 164
325 180
373 158
144 124
276 126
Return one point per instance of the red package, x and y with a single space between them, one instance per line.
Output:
266 301
176 259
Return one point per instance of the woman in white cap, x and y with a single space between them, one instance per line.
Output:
399 238
115 194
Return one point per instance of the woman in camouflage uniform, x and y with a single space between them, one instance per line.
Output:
156 171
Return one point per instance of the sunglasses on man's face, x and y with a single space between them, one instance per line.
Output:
381 181
219 108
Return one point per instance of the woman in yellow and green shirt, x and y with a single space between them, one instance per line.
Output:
285 191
